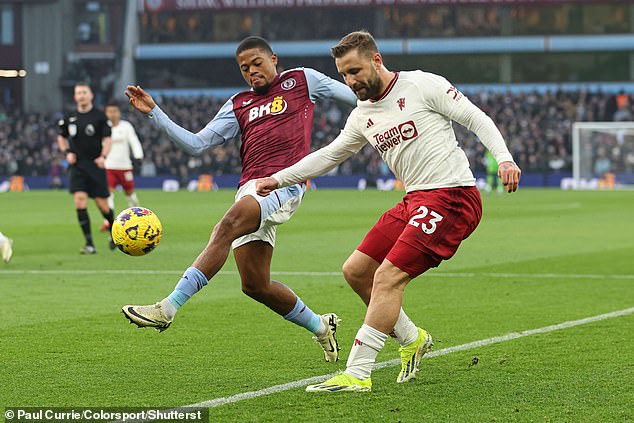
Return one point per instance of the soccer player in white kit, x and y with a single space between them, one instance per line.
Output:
119 169
407 118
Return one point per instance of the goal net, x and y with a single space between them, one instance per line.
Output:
602 155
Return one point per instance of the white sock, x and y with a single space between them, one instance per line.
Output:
168 308
133 201
322 329
366 347
111 201
405 331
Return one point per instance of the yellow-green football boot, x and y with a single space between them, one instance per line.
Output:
412 354
342 382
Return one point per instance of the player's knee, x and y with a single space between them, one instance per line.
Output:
352 272
80 202
358 281
257 291
233 225
384 279
225 229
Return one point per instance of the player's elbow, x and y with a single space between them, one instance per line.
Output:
193 149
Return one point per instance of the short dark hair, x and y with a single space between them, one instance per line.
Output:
254 42
113 103
362 40
83 84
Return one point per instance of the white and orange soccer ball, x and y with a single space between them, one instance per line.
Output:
137 231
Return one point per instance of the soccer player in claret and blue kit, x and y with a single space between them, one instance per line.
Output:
274 121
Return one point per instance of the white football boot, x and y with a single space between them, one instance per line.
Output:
7 249
150 316
329 340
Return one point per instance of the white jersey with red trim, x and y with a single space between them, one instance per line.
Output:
124 143
410 126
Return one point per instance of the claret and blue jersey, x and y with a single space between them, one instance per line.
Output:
275 127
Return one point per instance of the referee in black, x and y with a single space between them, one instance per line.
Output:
84 138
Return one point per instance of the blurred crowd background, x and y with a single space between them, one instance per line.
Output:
535 67
536 126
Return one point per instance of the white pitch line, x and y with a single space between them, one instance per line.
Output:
534 275
316 274
476 344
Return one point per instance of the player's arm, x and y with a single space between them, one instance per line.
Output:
135 144
106 142
106 145
444 98
318 163
321 86
221 128
63 144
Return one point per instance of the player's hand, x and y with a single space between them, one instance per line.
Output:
100 162
139 99
71 158
265 186
136 166
510 173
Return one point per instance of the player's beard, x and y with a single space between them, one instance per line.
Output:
372 88
262 89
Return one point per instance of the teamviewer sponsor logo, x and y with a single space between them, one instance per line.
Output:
408 130
383 141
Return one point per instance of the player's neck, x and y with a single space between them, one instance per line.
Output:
115 123
386 78
84 109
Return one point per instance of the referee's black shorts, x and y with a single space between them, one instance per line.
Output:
86 176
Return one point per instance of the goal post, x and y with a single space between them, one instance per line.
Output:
602 155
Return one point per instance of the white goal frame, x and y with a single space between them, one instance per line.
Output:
576 143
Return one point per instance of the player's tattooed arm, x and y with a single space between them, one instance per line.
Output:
510 174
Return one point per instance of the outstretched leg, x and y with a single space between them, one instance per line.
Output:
241 219
254 263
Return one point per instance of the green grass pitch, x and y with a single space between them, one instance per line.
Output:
538 258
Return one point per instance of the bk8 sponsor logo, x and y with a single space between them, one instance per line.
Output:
275 107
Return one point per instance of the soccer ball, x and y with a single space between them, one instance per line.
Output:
136 231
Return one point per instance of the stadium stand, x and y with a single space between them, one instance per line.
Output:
514 59
536 126
440 20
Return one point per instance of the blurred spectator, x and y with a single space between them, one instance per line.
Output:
56 174
602 164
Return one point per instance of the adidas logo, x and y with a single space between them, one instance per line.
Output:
370 123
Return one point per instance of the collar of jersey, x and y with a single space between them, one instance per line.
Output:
387 89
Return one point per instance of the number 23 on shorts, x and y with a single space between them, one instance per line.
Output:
426 220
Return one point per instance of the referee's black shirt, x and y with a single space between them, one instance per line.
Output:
85 132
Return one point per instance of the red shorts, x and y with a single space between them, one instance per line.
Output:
425 228
125 178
